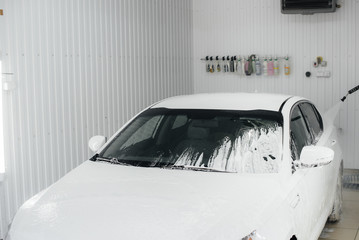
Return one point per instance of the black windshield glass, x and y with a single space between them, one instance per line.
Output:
232 141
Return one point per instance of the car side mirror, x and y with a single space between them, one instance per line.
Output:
315 156
96 142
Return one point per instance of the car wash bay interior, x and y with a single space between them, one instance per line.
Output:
74 69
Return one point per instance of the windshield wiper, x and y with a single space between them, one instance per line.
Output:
112 161
194 168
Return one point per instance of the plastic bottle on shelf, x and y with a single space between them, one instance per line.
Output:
218 66
227 64
224 64
239 66
258 67
235 62
247 67
265 67
208 66
253 64
286 66
231 65
244 60
270 67
276 66
211 69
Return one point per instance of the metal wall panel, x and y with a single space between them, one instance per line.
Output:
238 27
82 67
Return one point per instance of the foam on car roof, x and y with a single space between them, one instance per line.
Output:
225 101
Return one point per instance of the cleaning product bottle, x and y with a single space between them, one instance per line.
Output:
231 65
250 65
218 65
246 67
258 67
235 63
227 64
208 66
286 66
224 64
265 67
239 66
270 67
276 66
253 58
211 69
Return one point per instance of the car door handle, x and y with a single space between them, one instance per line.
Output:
334 142
295 201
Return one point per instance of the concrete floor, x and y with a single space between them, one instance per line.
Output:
348 227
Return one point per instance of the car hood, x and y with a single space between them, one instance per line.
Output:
104 201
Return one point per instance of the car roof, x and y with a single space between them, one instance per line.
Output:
225 101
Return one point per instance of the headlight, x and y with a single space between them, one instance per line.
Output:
254 236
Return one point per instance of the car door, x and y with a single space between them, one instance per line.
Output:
308 184
315 123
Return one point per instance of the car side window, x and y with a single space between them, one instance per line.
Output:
180 121
314 120
300 135
146 130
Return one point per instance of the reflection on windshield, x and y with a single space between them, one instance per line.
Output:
231 141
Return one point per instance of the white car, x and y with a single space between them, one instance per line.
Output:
199 167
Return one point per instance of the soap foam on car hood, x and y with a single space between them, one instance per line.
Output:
104 201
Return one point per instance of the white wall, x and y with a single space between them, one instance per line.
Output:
241 27
82 67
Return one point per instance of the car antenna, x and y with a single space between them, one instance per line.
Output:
353 90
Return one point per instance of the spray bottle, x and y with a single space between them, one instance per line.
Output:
239 66
235 63
270 67
218 67
276 66
231 65
225 66
265 67
258 67
208 66
244 66
253 58
211 68
286 66
248 67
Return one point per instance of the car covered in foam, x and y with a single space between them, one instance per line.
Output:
208 166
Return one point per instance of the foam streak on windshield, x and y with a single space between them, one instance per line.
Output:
253 150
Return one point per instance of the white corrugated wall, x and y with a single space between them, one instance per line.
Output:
240 27
82 67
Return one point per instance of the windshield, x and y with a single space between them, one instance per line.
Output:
218 140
